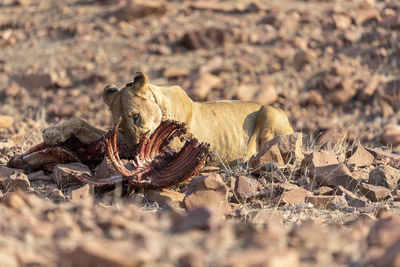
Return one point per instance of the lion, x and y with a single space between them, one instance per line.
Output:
234 129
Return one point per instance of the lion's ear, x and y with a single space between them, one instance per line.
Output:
109 93
140 82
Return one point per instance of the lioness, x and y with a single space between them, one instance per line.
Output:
234 129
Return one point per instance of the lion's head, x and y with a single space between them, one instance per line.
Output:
136 105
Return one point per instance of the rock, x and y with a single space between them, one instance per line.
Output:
391 257
12 179
324 202
6 121
212 6
86 191
331 82
361 16
202 218
174 73
246 188
41 79
384 156
202 85
315 98
351 198
391 135
8 259
334 175
205 191
165 197
267 95
290 146
206 198
208 38
371 87
360 157
264 217
65 174
342 22
101 252
318 159
352 35
324 190
254 7
212 181
386 176
136 9
375 193
295 196
56 194
385 232
260 257
105 169
265 155
302 58
246 92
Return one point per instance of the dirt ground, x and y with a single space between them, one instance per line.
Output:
332 66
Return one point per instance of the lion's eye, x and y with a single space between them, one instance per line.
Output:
136 118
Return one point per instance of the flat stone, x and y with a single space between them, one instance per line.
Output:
134 9
360 157
324 190
202 218
386 176
351 198
6 121
64 174
334 175
174 73
206 198
246 188
361 16
165 196
267 154
295 196
318 159
375 193
323 202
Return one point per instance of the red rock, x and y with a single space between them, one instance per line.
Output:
315 98
323 202
295 196
331 82
324 190
38 80
100 252
208 38
391 257
86 191
351 198
352 35
205 191
267 154
361 16
385 156
319 159
210 5
12 179
246 188
360 157
341 21
340 97
174 73
6 121
391 134
135 9
384 233
165 196
267 95
202 218
375 193
334 175
386 176
264 217
64 174
290 146
202 85
259 257
246 92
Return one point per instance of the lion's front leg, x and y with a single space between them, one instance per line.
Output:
76 127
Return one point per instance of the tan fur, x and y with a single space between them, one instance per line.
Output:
228 126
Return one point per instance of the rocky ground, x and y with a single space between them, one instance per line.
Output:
324 196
